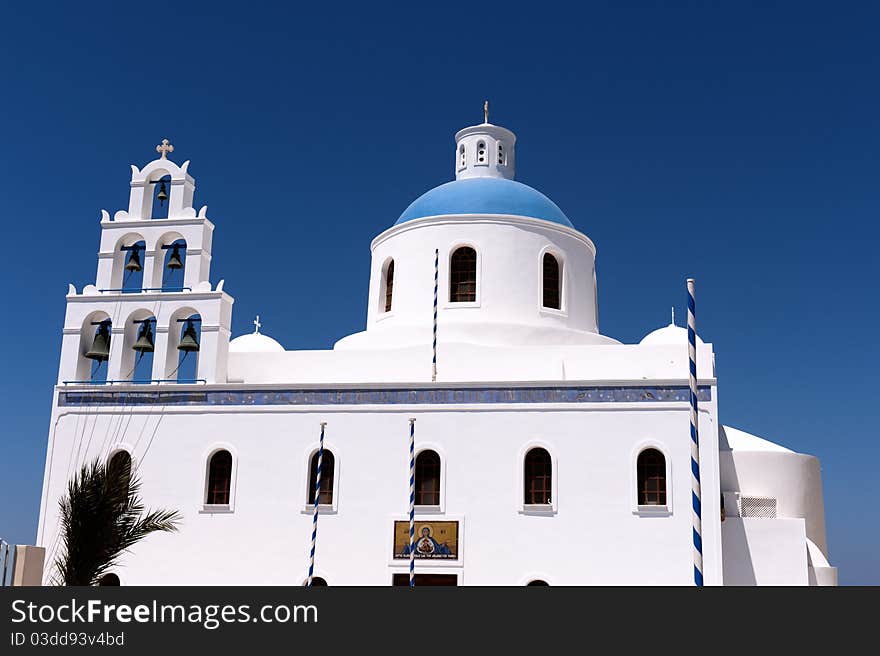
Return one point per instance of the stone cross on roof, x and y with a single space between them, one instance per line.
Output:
257 325
164 148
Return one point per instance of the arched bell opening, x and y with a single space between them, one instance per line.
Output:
184 343
128 263
170 263
94 348
139 338
161 189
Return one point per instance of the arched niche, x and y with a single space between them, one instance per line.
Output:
163 277
87 369
179 365
145 185
120 278
134 366
159 208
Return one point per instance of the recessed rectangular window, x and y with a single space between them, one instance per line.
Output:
651 468
538 477
552 282
463 275
427 483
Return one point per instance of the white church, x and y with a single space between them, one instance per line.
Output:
545 453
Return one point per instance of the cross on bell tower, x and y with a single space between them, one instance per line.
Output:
164 148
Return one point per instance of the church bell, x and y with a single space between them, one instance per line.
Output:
100 350
144 343
190 341
163 193
134 260
174 261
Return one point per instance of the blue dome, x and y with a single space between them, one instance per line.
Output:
484 196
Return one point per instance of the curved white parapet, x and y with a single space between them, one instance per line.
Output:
821 573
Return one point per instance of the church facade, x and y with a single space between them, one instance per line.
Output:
544 451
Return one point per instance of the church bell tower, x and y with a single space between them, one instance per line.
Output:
152 298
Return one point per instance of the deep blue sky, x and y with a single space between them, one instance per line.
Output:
737 145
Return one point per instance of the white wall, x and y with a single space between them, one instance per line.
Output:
473 363
594 536
764 551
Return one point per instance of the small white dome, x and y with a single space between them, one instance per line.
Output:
254 343
671 334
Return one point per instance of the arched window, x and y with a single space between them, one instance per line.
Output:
428 479
121 461
501 153
328 470
317 582
219 479
481 153
463 275
551 282
538 477
537 582
109 579
389 285
651 470
462 159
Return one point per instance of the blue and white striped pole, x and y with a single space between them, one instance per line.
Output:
317 497
412 503
436 278
695 437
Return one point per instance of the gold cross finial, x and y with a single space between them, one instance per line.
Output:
486 111
164 148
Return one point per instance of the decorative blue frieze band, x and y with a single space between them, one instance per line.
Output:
443 396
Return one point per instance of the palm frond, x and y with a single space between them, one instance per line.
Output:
102 516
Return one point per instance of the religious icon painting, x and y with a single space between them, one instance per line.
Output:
433 540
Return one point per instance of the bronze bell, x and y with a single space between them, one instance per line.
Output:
134 260
190 341
163 193
144 343
174 261
100 350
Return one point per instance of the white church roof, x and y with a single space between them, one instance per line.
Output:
255 343
670 334
737 440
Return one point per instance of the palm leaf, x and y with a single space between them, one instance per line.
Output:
102 517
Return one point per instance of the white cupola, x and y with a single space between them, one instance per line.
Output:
485 151
496 262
